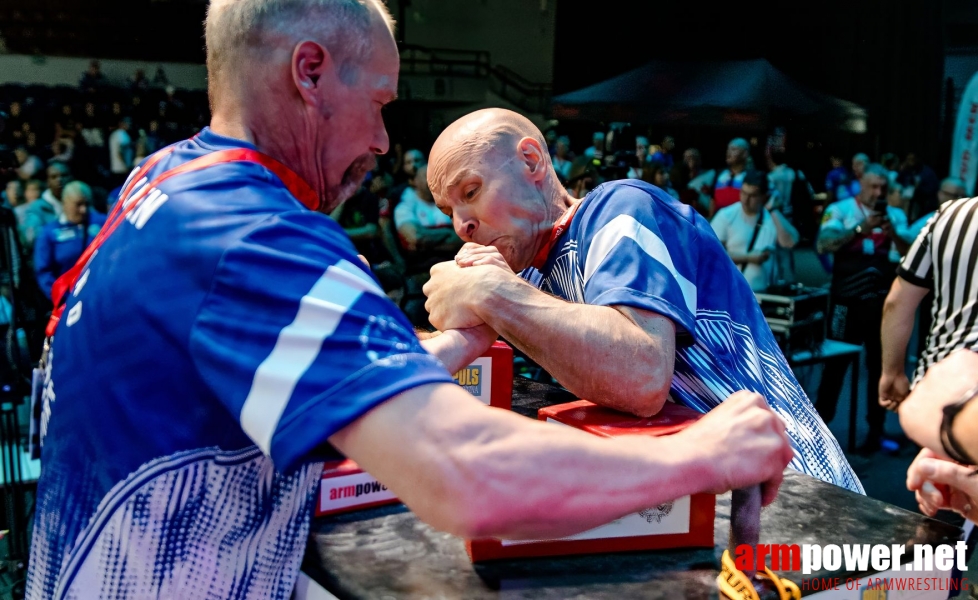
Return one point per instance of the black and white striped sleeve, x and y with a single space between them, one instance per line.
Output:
918 265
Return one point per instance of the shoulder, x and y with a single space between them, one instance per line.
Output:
626 197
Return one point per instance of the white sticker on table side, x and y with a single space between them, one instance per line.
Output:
477 379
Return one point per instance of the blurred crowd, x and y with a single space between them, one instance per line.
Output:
64 152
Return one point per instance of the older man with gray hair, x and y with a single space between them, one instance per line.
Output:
248 343
727 189
62 242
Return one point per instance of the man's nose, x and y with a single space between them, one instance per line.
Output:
382 142
465 228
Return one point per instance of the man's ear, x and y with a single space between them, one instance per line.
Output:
310 63
533 158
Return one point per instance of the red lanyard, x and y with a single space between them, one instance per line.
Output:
299 188
559 228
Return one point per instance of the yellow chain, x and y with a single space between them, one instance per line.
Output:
735 585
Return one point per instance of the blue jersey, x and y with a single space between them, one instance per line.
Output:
59 246
214 342
630 244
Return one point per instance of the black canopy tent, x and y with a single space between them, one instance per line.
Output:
740 93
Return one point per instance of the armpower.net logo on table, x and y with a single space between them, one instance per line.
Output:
893 569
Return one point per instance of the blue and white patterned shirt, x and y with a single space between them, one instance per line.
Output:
630 244
218 338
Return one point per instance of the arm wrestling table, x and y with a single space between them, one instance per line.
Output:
388 553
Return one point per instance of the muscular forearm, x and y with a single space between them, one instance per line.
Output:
481 473
594 351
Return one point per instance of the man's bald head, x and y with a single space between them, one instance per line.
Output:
491 172
488 136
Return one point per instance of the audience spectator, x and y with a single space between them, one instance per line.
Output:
664 155
48 207
658 175
860 234
403 188
794 198
92 80
32 192
423 228
359 217
728 183
584 176
562 159
891 162
750 232
13 194
837 177
951 188
160 79
427 236
920 185
550 136
121 152
412 160
139 82
28 165
641 150
694 183
850 186
596 149
61 243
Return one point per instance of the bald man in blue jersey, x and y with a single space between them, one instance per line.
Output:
626 297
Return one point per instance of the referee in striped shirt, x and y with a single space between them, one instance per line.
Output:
944 258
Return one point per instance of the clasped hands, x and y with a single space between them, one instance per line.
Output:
458 289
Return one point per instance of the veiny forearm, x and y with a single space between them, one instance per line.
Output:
594 351
479 472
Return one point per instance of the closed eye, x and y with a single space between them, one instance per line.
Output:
471 192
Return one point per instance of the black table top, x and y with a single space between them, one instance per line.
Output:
387 552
